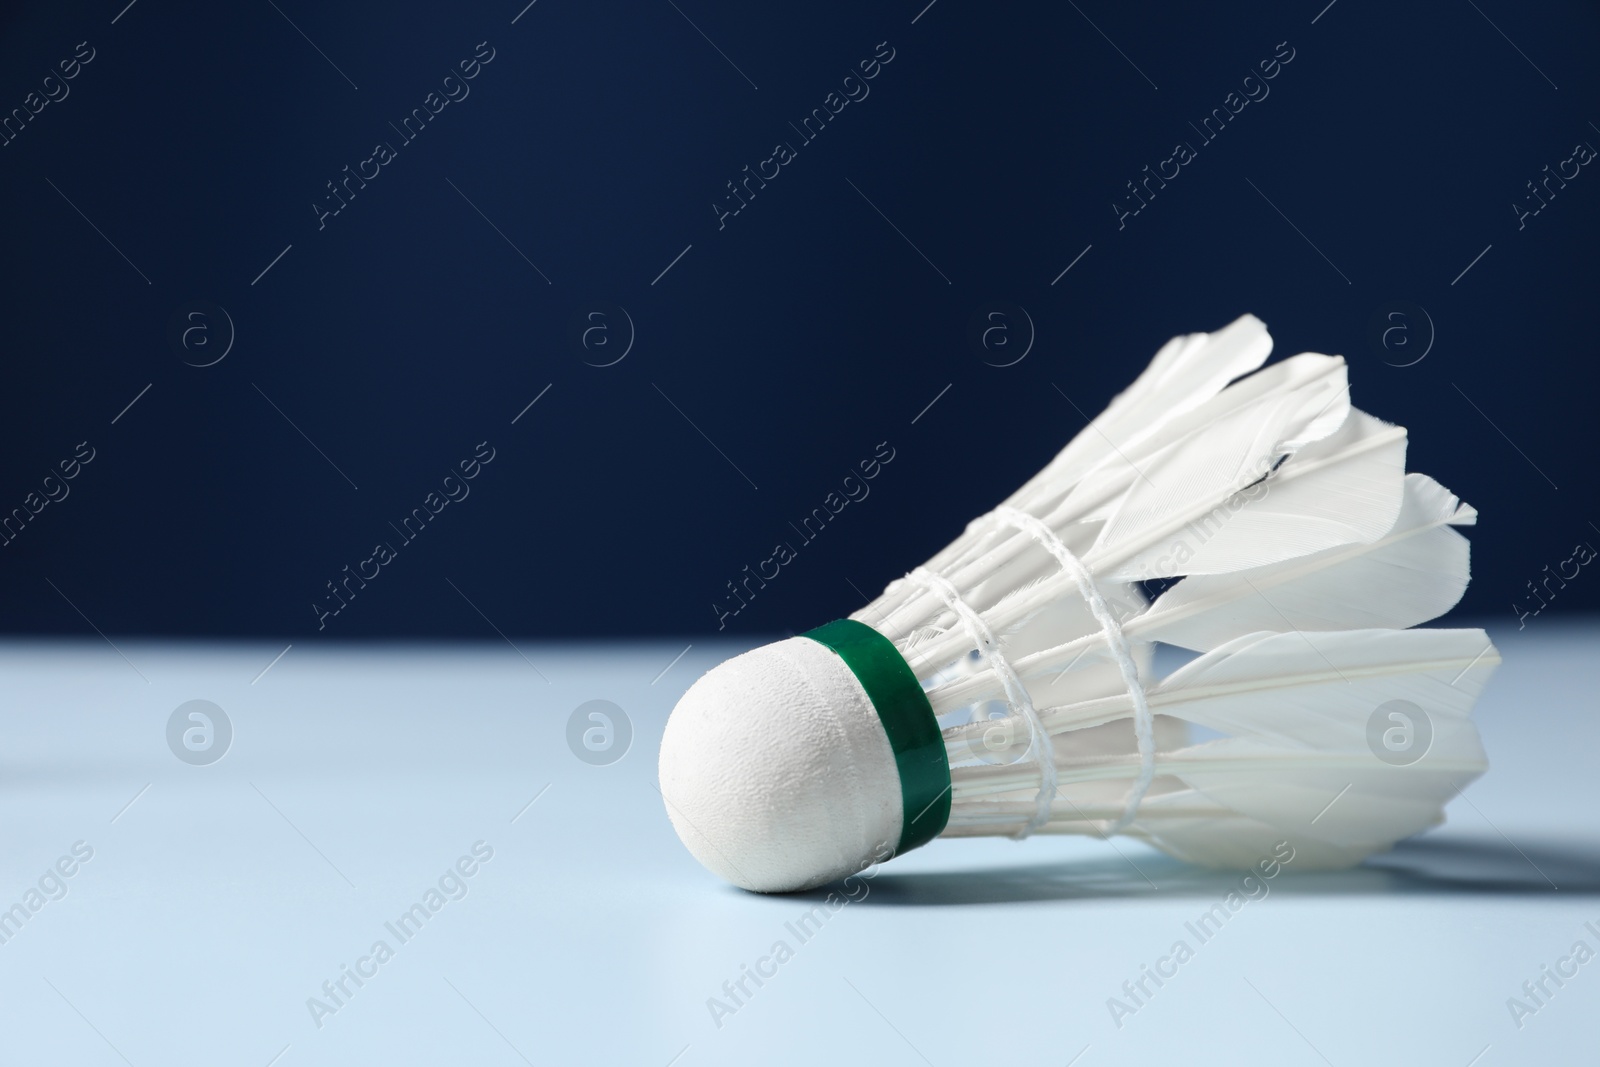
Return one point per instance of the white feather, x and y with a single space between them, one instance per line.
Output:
1185 373
1300 758
1416 571
1314 691
1297 763
1213 452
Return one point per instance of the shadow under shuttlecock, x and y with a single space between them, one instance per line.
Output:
1419 866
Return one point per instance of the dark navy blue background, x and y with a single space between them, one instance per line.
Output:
797 338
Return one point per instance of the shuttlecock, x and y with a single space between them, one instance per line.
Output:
1005 687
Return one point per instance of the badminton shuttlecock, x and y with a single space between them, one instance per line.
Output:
1005 687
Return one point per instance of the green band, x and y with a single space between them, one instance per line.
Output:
907 718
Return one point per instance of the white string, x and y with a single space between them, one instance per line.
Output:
1143 720
1040 747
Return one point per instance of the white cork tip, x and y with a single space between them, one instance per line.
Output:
777 773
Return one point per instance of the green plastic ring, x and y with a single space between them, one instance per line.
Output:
907 718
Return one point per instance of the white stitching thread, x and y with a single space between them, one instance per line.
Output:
1143 720
1040 746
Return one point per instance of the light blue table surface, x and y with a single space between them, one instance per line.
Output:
218 899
